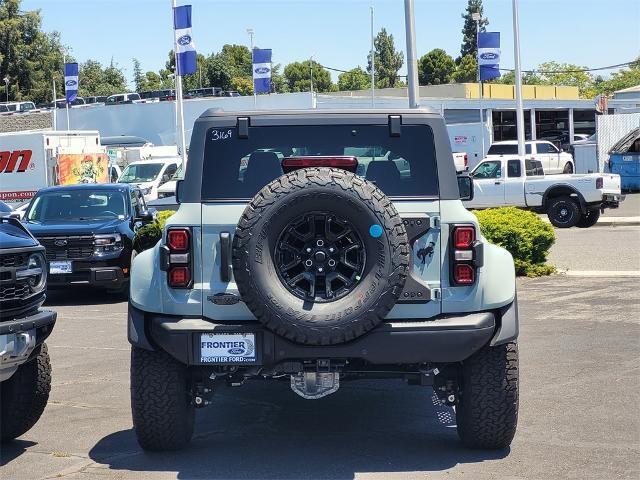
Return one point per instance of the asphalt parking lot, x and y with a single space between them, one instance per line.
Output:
580 387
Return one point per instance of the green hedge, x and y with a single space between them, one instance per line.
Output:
523 234
147 236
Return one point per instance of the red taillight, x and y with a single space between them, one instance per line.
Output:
295 163
464 274
179 276
599 182
178 239
466 161
463 237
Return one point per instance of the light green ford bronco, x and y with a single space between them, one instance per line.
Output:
322 247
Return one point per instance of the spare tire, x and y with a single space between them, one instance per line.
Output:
320 256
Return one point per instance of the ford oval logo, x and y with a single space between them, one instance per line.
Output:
70 83
184 40
61 242
236 351
261 70
488 56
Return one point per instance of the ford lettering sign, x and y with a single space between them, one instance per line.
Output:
262 70
184 40
489 56
70 83
236 351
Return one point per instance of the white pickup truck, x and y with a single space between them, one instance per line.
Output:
568 200
553 160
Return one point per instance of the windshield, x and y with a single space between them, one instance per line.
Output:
140 172
74 205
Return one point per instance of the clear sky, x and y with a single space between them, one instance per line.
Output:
592 33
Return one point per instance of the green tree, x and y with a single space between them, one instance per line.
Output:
435 68
217 72
238 60
469 39
554 73
29 57
96 80
354 79
139 79
528 78
153 81
466 70
242 85
388 61
622 79
114 79
298 75
278 80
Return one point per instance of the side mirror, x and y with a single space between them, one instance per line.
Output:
179 186
465 186
15 215
146 216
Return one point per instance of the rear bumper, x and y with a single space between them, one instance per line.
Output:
611 200
444 339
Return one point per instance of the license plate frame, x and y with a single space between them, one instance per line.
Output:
60 267
228 348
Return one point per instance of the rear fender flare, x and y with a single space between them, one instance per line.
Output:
563 189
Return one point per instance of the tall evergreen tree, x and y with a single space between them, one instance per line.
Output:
388 60
469 39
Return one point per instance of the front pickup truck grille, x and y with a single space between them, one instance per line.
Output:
13 260
18 291
74 247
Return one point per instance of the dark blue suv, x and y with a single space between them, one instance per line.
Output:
88 232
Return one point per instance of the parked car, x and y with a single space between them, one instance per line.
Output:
114 172
553 160
128 141
161 95
290 265
148 175
96 99
568 200
168 189
88 231
204 92
20 107
121 98
230 93
25 368
4 108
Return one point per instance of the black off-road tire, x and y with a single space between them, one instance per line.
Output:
568 168
556 212
321 190
163 415
24 396
589 219
487 414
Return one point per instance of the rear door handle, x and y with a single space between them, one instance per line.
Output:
498 183
225 256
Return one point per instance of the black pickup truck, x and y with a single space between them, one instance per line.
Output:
25 371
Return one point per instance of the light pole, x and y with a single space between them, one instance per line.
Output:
518 72
6 88
250 32
373 65
476 18
311 69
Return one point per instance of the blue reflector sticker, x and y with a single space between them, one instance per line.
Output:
375 230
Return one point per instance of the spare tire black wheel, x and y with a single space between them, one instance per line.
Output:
320 256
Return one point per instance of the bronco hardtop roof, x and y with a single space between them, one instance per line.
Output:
218 113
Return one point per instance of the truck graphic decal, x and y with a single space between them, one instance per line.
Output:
9 160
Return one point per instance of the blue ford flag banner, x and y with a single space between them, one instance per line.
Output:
71 81
261 70
489 55
185 49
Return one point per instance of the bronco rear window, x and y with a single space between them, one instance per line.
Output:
236 168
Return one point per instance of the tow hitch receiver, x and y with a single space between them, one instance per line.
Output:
314 385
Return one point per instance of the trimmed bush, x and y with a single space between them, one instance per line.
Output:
523 234
147 236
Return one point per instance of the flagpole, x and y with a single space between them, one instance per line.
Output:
476 16
373 65
55 106
250 31
519 106
179 105
66 102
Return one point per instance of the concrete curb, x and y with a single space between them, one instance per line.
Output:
613 221
599 273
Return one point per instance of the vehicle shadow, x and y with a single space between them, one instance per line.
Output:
11 450
81 295
264 431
